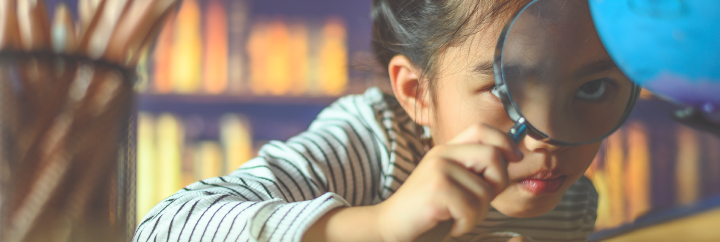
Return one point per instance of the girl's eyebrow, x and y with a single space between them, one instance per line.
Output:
485 67
595 67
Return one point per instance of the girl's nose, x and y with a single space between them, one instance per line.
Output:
540 146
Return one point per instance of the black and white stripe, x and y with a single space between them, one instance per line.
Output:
358 152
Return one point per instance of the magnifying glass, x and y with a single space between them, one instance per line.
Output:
555 78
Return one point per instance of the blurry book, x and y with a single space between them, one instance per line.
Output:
277 66
607 174
162 82
215 61
687 166
710 165
146 165
236 139
170 140
257 48
298 57
194 126
238 59
257 145
333 57
315 40
615 168
637 171
208 160
187 164
186 62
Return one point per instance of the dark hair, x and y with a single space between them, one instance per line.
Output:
423 29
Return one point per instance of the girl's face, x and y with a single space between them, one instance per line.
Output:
463 97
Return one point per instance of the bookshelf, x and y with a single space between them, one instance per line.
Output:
271 117
656 178
226 76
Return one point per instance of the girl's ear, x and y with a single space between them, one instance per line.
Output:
411 92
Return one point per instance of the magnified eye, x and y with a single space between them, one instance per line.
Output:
592 90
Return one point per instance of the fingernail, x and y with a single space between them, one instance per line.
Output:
519 153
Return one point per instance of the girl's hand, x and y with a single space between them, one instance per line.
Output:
455 181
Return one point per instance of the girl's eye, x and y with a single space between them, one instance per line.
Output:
593 90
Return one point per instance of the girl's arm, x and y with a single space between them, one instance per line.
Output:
278 195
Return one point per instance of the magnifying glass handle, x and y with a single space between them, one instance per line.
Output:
518 131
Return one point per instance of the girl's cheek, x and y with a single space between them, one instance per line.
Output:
579 158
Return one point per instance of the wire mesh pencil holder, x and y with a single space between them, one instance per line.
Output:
67 153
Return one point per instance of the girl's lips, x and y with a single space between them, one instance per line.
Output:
540 186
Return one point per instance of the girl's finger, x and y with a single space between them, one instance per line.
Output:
485 134
483 160
471 182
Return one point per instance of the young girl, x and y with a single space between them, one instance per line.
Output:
374 167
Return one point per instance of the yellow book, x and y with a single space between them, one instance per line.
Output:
170 140
236 139
333 77
215 70
186 62
208 160
146 165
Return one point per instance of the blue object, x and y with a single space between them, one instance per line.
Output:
670 47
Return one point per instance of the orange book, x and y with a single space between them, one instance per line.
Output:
277 67
637 171
615 170
298 57
215 67
163 54
333 77
687 166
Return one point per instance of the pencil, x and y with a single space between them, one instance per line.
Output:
33 24
9 33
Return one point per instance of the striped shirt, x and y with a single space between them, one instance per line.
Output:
357 152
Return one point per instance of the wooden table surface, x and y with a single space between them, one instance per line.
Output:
700 227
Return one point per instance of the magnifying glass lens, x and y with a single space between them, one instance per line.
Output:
558 75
